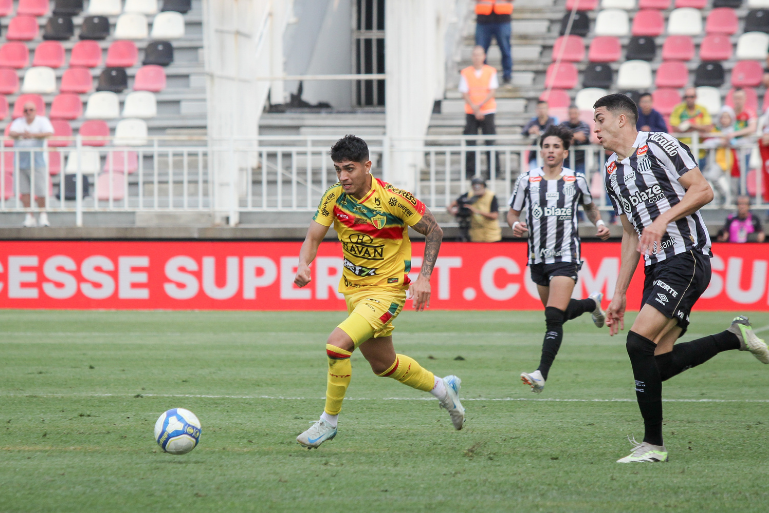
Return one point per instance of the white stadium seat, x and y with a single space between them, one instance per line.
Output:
103 105
685 21
91 163
141 6
634 75
612 22
628 5
131 26
131 132
104 7
588 96
168 25
710 98
40 80
140 104
752 46
758 4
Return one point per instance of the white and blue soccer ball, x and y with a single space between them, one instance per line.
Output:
177 431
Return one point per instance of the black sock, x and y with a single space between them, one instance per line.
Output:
690 354
579 306
553 337
648 385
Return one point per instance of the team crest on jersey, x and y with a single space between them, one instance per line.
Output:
535 179
612 167
568 190
569 178
642 150
379 221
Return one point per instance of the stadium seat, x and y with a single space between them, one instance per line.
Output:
104 7
612 22
14 55
33 8
170 25
597 75
50 54
59 28
734 4
61 128
86 54
563 77
76 80
182 6
3 107
102 105
716 47
722 21
588 96
140 104
122 162
641 48
747 74
113 79
573 48
131 132
634 75
648 22
6 7
122 54
685 21
752 46
54 162
579 27
628 5
696 4
7 162
160 53
709 74
68 7
604 49
22 28
141 6
751 98
757 21
9 81
90 163
8 143
94 27
758 4
131 26
66 106
110 186
665 100
40 80
150 78
678 48
654 4
18 106
632 94
710 98
582 5
672 74
556 99
94 132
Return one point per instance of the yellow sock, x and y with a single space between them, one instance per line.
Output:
409 372
339 376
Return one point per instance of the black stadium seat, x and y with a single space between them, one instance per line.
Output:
113 79
59 28
757 21
95 27
598 75
641 48
734 4
709 74
580 26
633 95
160 53
68 7
182 6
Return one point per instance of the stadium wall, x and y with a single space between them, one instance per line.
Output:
200 275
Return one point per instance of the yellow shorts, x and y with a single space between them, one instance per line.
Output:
371 313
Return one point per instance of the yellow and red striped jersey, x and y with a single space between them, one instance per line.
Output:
374 234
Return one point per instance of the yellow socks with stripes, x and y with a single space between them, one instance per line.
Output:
339 376
409 372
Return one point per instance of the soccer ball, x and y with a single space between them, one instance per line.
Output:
177 431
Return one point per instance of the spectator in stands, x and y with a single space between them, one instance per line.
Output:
722 160
741 226
494 19
477 213
478 84
30 131
689 116
649 119
745 126
538 125
763 147
580 132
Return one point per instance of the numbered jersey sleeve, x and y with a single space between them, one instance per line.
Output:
584 189
404 205
325 213
518 198
674 156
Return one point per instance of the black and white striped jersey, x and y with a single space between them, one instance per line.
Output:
645 185
551 214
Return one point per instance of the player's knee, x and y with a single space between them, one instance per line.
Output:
380 367
340 339
637 345
554 318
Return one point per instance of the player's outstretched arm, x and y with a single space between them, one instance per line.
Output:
594 215
615 314
420 289
513 220
314 237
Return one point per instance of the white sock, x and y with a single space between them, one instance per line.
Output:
331 419
439 389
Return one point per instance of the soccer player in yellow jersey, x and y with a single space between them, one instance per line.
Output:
371 218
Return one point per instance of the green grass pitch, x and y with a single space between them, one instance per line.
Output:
80 393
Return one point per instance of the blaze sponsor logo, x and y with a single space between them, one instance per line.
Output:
668 146
560 212
661 298
664 286
358 270
651 195
362 246
535 179
612 167
569 178
642 151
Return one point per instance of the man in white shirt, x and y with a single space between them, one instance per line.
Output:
30 131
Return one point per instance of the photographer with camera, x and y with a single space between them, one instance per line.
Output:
477 213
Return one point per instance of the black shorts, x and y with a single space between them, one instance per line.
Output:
541 274
675 284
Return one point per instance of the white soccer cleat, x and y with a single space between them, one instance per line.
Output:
534 380
452 403
645 453
599 317
319 432
749 341
29 221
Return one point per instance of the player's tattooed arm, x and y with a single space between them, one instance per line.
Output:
420 289
594 215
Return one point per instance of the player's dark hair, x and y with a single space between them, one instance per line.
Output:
644 95
563 133
540 102
619 103
350 148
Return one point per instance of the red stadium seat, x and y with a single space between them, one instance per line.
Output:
22 28
8 175
14 55
49 54
665 100
86 54
654 4
122 54
573 48
605 49
54 162
33 7
153 78
697 4
122 162
747 74
8 142
61 128
716 47
6 7
66 106
678 48
648 22
672 74
565 77
582 5
91 130
77 80
721 20
117 192
3 107
9 81
18 107
751 98
557 99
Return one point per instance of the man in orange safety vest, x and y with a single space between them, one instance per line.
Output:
493 20
478 84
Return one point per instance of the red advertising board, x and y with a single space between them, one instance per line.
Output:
259 276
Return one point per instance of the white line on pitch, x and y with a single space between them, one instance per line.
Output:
759 330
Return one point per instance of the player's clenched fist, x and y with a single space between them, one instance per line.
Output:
520 229
303 276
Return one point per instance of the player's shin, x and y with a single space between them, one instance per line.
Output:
339 376
409 372
554 319
690 354
648 385
579 306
